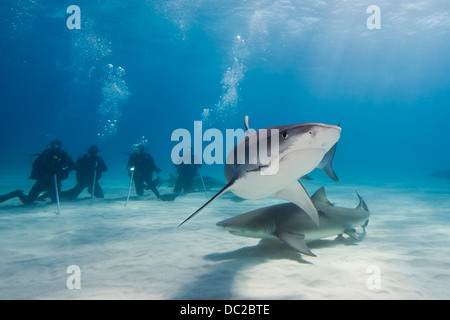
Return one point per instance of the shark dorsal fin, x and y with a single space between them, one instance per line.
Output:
321 197
362 205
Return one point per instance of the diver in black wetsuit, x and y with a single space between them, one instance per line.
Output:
51 164
87 167
141 165
186 174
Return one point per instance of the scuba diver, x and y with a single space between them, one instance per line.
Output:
140 167
186 174
89 168
49 169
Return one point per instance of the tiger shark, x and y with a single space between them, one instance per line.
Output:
299 149
292 225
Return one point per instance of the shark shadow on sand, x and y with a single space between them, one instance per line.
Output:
218 282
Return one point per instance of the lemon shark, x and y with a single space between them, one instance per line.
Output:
295 150
292 225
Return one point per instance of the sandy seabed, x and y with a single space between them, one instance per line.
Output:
139 252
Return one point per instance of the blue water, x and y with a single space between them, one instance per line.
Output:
142 69
154 66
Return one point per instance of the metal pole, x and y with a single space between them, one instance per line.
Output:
57 194
93 183
131 183
203 182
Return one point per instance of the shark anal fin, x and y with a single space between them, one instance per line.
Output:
296 194
209 201
296 242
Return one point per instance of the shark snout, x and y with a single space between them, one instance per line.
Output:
334 133
325 135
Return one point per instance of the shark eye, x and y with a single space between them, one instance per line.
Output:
284 134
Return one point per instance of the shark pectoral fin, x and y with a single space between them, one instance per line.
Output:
229 184
296 242
296 194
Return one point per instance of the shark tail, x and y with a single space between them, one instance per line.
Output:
327 162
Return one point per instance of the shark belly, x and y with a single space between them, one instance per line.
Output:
256 184
317 234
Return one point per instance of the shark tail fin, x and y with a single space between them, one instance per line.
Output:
362 204
320 197
209 201
327 162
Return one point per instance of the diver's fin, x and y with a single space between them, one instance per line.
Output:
306 177
296 242
16 193
320 197
168 197
296 194
326 164
210 200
